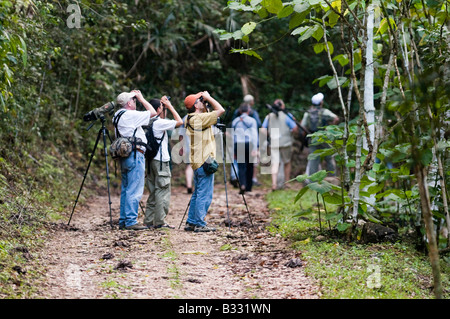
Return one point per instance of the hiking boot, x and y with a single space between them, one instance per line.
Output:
203 229
136 227
189 227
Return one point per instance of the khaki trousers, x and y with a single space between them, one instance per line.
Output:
158 202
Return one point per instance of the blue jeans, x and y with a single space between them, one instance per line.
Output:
201 198
133 179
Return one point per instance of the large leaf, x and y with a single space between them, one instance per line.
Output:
318 176
248 28
321 187
273 6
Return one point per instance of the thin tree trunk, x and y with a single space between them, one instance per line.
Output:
421 175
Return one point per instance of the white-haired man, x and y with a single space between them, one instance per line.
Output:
130 123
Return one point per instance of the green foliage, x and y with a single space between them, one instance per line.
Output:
343 270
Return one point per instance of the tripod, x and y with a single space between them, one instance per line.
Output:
102 132
221 128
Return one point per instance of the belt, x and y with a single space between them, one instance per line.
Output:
140 151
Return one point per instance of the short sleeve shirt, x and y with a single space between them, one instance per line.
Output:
200 132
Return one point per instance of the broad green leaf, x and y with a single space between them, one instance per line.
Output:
285 12
239 6
248 28
322 187
332 198
299 30
342 59
273 6
302 7
318 33
318 176
318 47
308 33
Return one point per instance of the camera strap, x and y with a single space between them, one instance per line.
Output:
116 121
189 125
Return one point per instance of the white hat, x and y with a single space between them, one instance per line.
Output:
248 98
124 97
317 99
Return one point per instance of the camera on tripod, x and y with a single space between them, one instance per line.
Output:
99 112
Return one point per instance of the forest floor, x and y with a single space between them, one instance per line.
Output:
88 259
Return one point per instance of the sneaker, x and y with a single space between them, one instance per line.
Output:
203 229
189 227
136 227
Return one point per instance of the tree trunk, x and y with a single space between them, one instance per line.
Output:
433 252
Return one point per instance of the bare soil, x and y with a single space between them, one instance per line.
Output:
90 260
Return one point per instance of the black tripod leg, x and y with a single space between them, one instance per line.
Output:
225 179
185 212
105 132
85 174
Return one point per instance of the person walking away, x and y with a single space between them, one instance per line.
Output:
159 173
133 167
280 127
203 151
250 100
316 118
245 133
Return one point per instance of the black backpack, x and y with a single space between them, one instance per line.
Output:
153 143
316 119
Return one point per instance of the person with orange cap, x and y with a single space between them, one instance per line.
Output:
199 124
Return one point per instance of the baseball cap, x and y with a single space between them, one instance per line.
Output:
189 101
123 98
317 99
248 98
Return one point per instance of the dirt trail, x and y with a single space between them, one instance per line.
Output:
88 259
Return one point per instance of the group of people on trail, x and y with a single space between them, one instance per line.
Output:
200 152
198 125
280 128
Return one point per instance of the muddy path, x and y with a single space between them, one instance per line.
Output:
89 260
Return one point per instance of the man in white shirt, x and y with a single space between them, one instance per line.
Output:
159 174
133 167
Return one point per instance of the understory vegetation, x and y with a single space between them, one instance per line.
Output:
355 270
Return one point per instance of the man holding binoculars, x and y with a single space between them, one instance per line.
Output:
199 124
